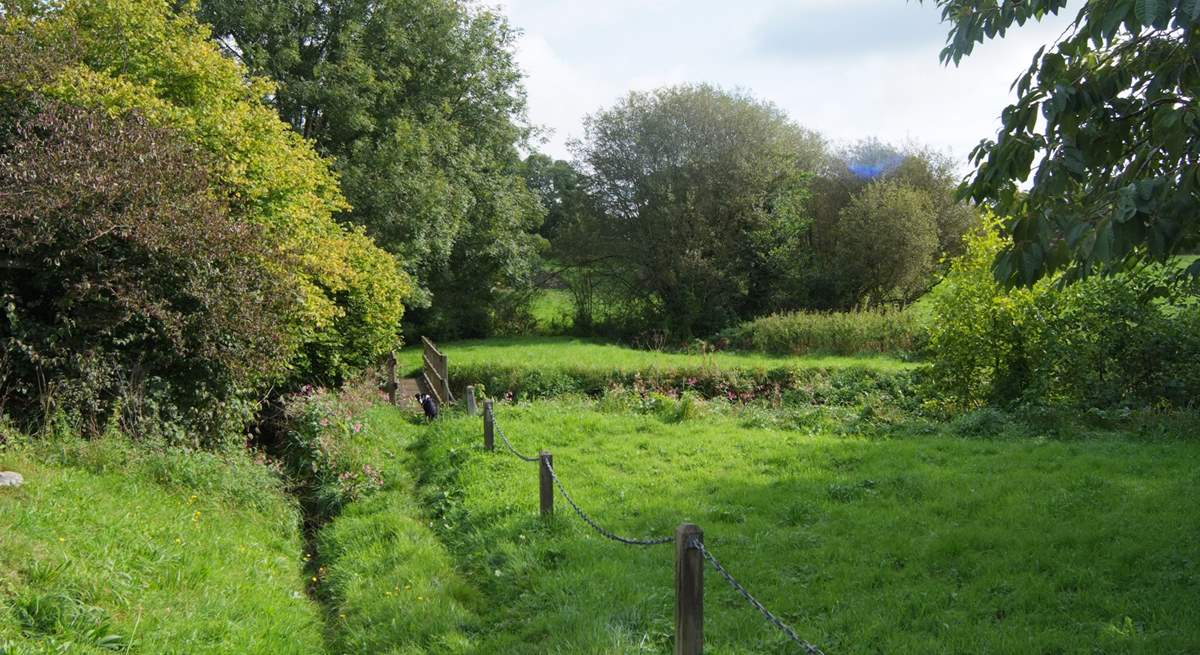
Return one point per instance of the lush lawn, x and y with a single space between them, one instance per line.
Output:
912 540
107 548
573 353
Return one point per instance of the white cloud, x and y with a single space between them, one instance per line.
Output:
580 56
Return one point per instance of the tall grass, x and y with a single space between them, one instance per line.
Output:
836 333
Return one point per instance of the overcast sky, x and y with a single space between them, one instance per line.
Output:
846 68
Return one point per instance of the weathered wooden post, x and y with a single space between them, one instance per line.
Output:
472 410
392 384
545 461
489 426
689 591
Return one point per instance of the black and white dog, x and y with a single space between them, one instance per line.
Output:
429 405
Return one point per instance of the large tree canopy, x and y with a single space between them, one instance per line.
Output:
697 190
1109 111
420 102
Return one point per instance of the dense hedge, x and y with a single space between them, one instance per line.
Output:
836 333
784 384
130 290
174 242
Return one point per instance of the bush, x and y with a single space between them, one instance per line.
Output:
799 386
133 293
835 333
156 59
1129 339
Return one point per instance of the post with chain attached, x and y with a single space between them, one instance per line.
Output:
546 479
472 409
489 426
689 591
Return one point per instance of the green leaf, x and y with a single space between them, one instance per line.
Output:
1146 11
1190 9
1102 248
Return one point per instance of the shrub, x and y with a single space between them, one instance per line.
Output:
132 292
837 333
632 389
1129 339
156 59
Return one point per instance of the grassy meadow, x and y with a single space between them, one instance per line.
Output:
113 548
595 355
984 535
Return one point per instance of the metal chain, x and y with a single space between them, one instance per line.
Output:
775 620
597 527
508 444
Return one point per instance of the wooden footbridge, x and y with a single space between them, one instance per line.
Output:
434 379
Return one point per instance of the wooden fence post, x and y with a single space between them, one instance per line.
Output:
489 426
472 410
689 591
546 482
392 384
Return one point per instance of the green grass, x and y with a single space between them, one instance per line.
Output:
390 584
110 548
866 536
592 354
553 311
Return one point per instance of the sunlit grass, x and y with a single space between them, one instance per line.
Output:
390 584
912 540
567 352
108 548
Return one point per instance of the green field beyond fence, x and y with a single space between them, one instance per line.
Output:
917 540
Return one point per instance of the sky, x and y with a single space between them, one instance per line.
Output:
849 69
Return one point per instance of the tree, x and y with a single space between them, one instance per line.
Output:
886 241
694 189
845 175
132 291
421 106
143 57
1109 111
559 188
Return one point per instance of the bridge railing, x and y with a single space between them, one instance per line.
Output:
436 372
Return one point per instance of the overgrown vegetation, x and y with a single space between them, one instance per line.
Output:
161 223
545 367
835 333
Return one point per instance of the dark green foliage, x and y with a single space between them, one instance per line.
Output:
692 229
681 231
1110 113
872 203
129 291
420 103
